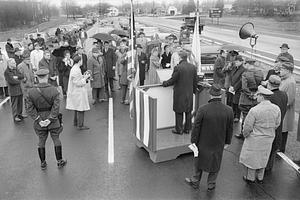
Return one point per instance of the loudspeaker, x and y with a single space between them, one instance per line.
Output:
247 30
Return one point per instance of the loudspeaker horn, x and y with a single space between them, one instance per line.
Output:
247 31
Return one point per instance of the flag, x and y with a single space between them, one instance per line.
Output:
133 67
196 48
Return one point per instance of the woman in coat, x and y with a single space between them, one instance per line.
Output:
64 69
77 97
288 85
259 132
3 84
166 57
123 77
154 64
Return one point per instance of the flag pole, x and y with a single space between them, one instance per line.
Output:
132 35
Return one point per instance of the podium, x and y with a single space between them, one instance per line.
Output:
154 118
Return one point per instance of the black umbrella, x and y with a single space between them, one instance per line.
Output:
103 37
119 32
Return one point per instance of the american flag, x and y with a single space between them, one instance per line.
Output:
196 48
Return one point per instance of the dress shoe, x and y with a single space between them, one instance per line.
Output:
103 100
247 180
211 187
192 182
239 136
176 132
186 131
82 128
17 119
44 165
61 163
236 120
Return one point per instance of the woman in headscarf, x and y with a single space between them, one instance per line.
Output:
153 66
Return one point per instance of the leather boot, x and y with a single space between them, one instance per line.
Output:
58 153
42 155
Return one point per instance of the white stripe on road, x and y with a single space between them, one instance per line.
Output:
289 161
4 101
111 156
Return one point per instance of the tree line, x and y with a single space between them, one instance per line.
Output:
24 13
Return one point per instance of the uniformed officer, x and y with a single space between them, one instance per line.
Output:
42 104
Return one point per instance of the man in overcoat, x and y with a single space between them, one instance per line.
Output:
96 67
236 86
212 132
284 52
14 78
184 79
219 75
42 105
142 59
49 62
280 99
110 61
10 50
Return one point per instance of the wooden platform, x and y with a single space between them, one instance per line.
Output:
169 145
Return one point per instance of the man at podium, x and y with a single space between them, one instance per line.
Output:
184 79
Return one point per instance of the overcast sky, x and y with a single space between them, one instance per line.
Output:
113 2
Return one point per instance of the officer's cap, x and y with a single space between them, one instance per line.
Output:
42 72
274 80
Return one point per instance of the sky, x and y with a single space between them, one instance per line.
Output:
113 2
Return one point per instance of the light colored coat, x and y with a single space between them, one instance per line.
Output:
288 85
77 96
3 66
28 81
96 66
35 57
259 132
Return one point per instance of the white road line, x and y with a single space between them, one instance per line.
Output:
289 161
4 101
111 156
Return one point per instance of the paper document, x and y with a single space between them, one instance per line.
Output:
194 148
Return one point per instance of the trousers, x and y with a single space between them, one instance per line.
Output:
124 89
43 135
16 105
283 141
78 118
212 176
98 93
252 174
179 121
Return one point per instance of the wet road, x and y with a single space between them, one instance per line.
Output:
132 176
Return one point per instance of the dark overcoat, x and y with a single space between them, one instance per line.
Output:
280 99
184 79
142 65
51 65
96 67
212 129
110 60
236 82
14 84
219 75
10 50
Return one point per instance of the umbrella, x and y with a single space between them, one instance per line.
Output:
119 32
103 37
232 47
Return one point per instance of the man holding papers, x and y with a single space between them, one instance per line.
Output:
211 133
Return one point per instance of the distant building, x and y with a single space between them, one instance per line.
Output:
113 12
172 10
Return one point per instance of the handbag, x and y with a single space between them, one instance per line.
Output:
59 116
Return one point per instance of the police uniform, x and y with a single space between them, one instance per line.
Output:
43 103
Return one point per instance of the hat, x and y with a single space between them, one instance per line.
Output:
95 50
42 72
288 65
8 40
76 59
26 54
215 90
282 59
284 45
239 58
139 46
264 91
274 80
250 60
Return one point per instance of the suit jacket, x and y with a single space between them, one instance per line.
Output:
212 129
110 60
142 65
184 79
236 82
39 109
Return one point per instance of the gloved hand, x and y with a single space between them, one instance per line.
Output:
164 84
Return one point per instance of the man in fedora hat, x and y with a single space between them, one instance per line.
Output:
280 99
259 132
288 85
284 52
184 79
42 105
212 132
